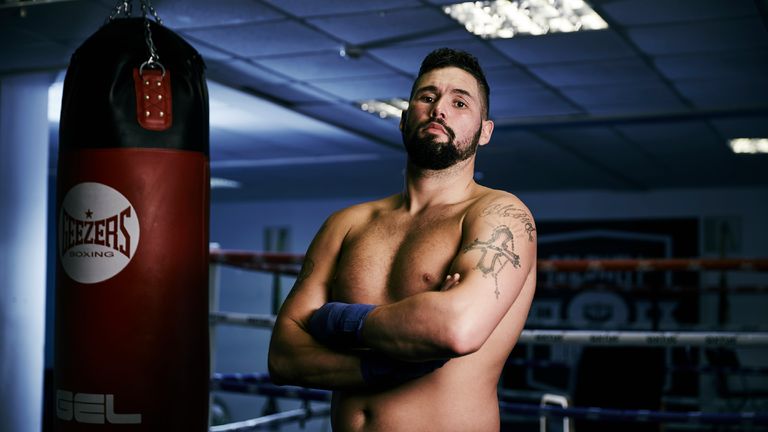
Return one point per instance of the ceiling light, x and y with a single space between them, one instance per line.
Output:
384 108
55 92
508 18
749 145
222 183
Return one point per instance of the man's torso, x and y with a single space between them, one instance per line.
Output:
388 255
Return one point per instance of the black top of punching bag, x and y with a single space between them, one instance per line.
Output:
98 108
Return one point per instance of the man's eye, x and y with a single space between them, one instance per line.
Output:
460 104
427 98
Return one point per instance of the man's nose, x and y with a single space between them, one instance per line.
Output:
438 109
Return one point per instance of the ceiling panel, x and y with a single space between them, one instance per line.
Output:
547 164
207 50
243 73
690 141
353 118
529 102
509 77
205 13
374 87
652 96
372 178
408 57
443 36
607 72
323 65
297 94
265 39
644 12
64 21
593 45
303 8
610 151
373 27
694 156
667 133
745 127
731 65
705 36
721 94
268 123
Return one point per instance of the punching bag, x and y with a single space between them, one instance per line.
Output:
131 347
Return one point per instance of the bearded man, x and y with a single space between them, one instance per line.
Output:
408 307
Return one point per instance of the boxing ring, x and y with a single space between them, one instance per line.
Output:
551 407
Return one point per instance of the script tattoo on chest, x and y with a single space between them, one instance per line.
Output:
496 252
511 211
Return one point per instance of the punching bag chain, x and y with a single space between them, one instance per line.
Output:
154 58
122 7
125 8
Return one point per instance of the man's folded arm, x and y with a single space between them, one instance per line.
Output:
495 260
295 357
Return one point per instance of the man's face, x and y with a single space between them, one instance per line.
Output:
443 124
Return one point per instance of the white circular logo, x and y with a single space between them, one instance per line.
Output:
98 232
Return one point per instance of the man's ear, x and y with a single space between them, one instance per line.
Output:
486 130
402 119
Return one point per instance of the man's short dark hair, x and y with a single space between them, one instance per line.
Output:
447 57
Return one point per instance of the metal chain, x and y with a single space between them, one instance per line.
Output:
153 56
124 7
153 11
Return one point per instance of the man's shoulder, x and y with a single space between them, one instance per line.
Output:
497 212
362 211
498 202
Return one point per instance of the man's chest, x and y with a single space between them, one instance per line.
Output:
388 259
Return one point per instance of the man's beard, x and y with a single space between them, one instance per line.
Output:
428 153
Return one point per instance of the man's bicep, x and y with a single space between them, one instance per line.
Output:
497 254
295 357
312 286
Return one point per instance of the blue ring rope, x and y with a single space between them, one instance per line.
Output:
259 384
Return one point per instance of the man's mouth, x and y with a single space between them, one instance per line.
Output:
433 127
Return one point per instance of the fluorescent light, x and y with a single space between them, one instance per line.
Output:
749 145
508 18
54 101
222 183
384 108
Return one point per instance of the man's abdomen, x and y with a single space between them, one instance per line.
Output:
452 399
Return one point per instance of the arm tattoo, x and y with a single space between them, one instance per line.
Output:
499 209
306 271
497 252
511 211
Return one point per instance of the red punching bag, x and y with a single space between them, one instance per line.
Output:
131 347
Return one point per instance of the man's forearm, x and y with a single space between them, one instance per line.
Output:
418 328
423 326
318 367
295 358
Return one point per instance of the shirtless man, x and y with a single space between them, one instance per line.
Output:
408 307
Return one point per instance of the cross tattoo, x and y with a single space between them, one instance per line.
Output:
498 250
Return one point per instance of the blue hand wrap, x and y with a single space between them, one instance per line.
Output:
339 324
378 369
